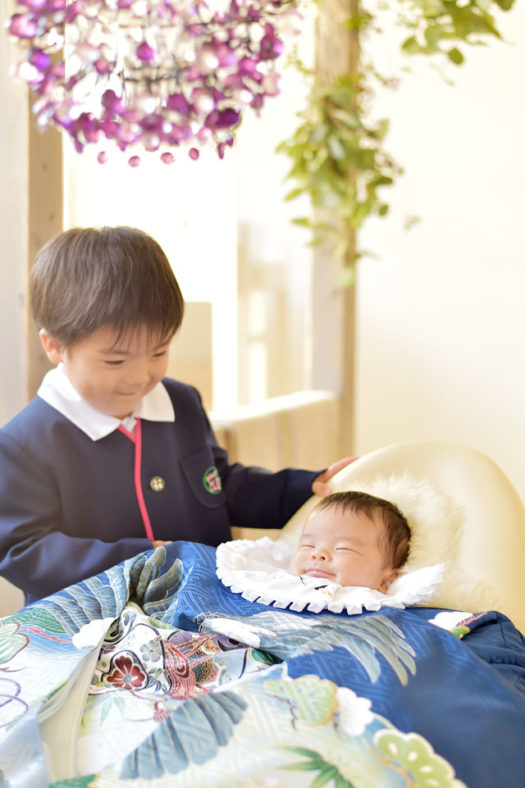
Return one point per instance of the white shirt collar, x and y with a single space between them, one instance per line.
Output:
57 390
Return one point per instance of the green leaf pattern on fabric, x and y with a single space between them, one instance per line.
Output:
421 766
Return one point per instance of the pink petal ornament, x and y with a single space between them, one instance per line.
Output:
22 26
35 4
150 74
145 52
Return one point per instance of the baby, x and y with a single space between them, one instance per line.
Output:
353 539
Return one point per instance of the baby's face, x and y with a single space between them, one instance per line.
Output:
344 547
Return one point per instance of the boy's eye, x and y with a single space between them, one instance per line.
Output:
114 363
160 354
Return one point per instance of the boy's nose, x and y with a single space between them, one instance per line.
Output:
319 553
137 375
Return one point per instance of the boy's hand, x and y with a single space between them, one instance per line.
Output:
159 543
320 484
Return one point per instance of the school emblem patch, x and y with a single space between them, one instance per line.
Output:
212 481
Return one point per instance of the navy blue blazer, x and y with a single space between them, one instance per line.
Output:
68 505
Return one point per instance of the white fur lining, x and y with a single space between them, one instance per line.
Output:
257 569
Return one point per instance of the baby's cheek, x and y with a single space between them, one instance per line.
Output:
294 565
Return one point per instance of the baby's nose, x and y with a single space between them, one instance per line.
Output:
320 553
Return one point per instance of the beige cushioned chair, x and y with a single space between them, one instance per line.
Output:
471 519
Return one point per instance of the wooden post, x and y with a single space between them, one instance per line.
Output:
13 229
45 219
337 53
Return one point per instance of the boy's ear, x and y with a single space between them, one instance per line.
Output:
52 346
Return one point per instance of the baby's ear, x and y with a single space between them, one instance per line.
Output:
388 578
52 346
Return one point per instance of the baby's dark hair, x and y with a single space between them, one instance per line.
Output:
396 539
87 278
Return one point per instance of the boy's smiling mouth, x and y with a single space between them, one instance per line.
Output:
129 393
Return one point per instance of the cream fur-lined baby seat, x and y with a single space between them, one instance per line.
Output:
463 513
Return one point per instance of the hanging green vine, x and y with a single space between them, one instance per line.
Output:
337 154
339 161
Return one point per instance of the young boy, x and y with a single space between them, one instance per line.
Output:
353 539
111 458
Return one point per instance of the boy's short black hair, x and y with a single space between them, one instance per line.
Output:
396 541
87 278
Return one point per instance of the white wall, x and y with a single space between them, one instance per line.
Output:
440 315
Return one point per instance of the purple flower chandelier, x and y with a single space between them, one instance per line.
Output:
150 74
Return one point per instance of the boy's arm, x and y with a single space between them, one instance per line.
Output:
260 499
257 497
35 554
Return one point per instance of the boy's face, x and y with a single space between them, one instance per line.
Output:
345 548
111 376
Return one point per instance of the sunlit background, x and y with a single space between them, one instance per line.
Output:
244 269
439 327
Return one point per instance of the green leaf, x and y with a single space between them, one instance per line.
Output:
360 213
381 129
411 46
41 618
325 776
455 56
469 20
381 180
359 21
303 751
317 160
346 278
350 119
336 153
298 192
304 766
411 221
336 148
433 34
318 133
432 8
340 782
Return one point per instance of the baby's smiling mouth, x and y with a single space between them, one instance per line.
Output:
315 571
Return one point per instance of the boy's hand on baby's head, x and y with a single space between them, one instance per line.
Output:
320 485
159 543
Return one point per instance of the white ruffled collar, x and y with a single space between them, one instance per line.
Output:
257 569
